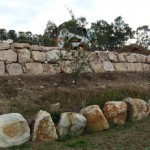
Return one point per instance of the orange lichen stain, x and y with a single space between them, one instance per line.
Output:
45 131
14 129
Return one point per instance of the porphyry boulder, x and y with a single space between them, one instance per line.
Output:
96 120
137 108
115 112
14 130
71 123
43 128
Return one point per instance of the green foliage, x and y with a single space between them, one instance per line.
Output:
24 146
114 35
3 34
80 144
142 34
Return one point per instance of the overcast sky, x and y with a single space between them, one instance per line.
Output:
32 15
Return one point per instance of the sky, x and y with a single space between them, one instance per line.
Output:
33 15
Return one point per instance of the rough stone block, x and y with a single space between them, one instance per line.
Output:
103 56
14 130
97 66
93 56
21 45
53 56
14 69
4 46
23 55
37 48
34 68
148 59
130 58
1 55
138 67
108 66
10 56
130 66
146 67
112 57
140 58
120 67
38 56
121 57
49 69
2 68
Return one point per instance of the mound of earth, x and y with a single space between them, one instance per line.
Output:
133 48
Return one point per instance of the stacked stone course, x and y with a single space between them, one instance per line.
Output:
25 59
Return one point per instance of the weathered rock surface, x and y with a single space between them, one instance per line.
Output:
14 130
130 58
23 55
14 69
146 67
108 66
103 56
138 67
115 112
148 59
130 66
97 66
121 57
112 57
44 128
71 123
140 58
34 68
37 48
120 67
53 56
96 120
20 45
4 46
49 69
1 55
38 56
137 108
2 68
10 56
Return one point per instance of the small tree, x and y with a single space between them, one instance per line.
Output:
80 63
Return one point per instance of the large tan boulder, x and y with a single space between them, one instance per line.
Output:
14 130
1 55
112 57
34 68
130 58
121 57
120 67
97 66
49 69
2 68
130 66
44 128
37 48
115 112
71 123
14 69
4 46
21 45
96 120
10 56
23 55
108 66
137 108
38 56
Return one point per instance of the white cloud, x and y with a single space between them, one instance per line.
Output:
32 15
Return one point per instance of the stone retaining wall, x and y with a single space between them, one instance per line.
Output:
25 59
